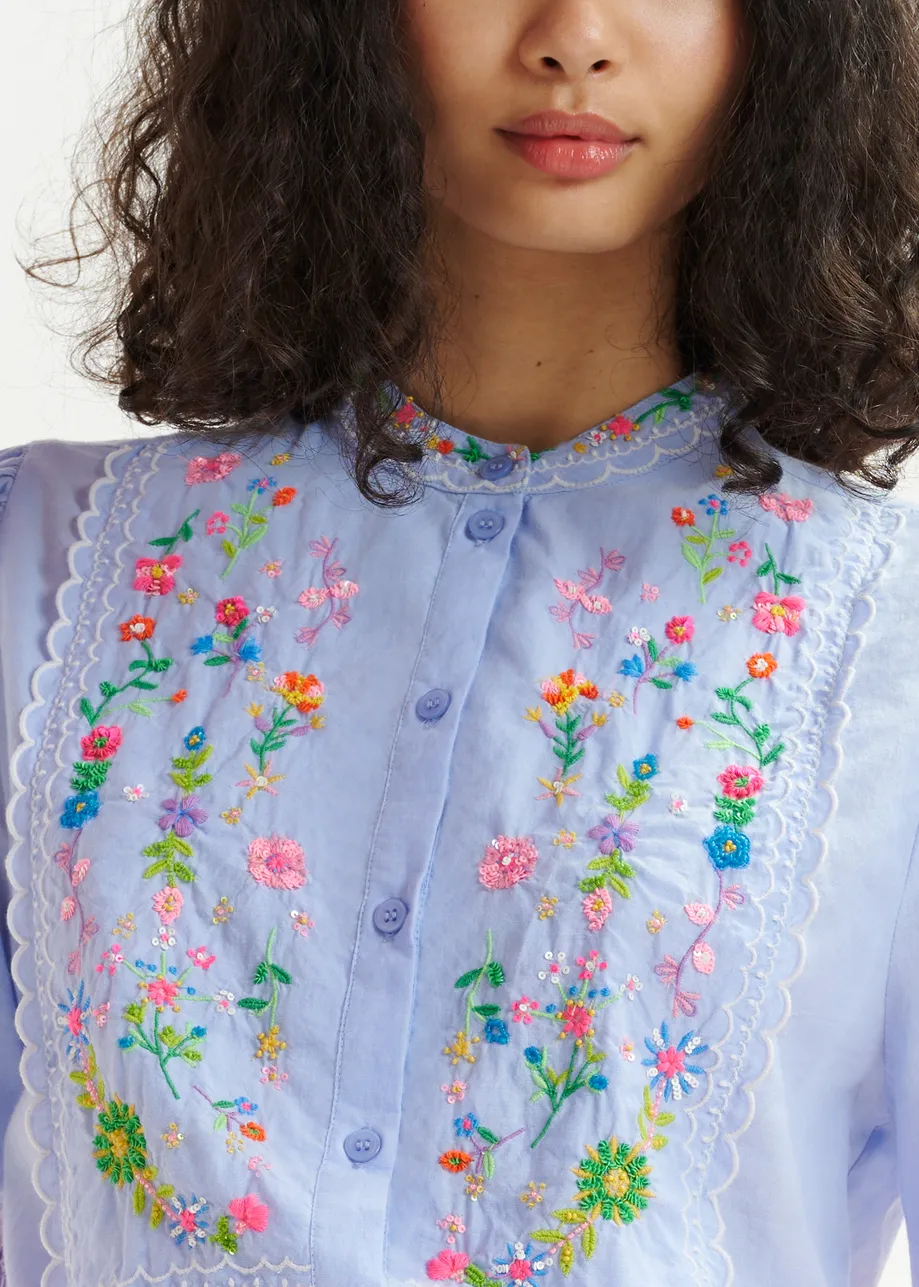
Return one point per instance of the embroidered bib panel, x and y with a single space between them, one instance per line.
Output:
422 905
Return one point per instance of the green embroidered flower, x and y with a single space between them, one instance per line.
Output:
613 1181
121 1146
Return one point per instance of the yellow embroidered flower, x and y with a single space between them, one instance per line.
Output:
188 597
261 781
599 718
565 838
461 1048
616 699
281 458
558 788
270 1044
563 690
728 613
222 911
255 672
234 1144
232 816
655 922
173 1136
305 692
546 907
432 442
317 721
534 714
254 709
723 471
475 1186
580 447
532 1195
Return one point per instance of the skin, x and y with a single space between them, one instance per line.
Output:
557 296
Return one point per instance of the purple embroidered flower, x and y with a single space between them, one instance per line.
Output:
613 833
182 816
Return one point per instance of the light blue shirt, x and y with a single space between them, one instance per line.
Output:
511 886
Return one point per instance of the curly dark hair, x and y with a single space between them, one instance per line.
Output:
262 185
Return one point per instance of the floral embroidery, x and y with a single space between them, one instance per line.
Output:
495 1029
172 1136
71 904
231 1115
771 568
182 814
565 838
301 924
272 568
125 926
546 907
484 1143
222 911
728 613
649 593
156 577
655 922
269 1040
134 794
562 692
787 507
448 1266
211 469
614 835
532 1195
253 523
580 594
333 595
277 861
272 1076
773 615
668 1062
699 547
305 694
188 597
679 630
522 1265
454 1091
232 816
507 860
237 648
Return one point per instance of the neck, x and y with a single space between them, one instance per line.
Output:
533 347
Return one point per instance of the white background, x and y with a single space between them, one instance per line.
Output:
55 60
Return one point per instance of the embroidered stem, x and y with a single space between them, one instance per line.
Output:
150 666
185 533
687 955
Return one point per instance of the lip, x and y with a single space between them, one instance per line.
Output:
583 146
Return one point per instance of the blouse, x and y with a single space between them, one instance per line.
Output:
514 886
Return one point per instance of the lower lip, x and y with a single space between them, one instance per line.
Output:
568 158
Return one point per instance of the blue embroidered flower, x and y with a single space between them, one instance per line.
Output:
645 768
466 1125
188 1225
633 666
533 1056
521 1266
598 1082
496 1031
197 737
80 808
246 1107
669 1062
714 504
126 1043
728 847
198 1032
205 643
75 1010
261 485
250 651
685 670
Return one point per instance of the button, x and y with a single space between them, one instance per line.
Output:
484 524
496 467
433 704
390 915
362 1145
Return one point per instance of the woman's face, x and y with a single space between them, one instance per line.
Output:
661 70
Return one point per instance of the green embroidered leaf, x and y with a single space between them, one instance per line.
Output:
566 1259
623 868
653 651
238 509
495 973
720 718
255 747
258 518
787 579
589 1241
155 868
191 1055
761 734
773 754
488 1165
646 1100
718 746
156 1217
140 1199
85 1101
486 1011
134 1012
261 973
568 1215
691 557
661 683
169 1036
184 873
107 689
86 710
713 573
591 883
488 1136
624 780
219 660
223 1237
726 533
546 1235
659 1142
280 974
696 540
599 864
139 708
664 1119
739 812
221 1122
254 1004
744 702
228 547
765 568
165 1191
253 538
475 1276
467 979
162 665
223 1103
620 887
79 1077
726 694
100 1089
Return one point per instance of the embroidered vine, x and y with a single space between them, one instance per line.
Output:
301 693
252 524
478 1165
487 1012
563 692
232 645
700 548
333 596
655 662
182 814
232 1117
615 835
581 594
268 972
185 533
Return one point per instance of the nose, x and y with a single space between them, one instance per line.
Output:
564 44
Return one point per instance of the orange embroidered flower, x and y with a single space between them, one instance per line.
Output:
444 446
561 691
761 665
303 691
682 516
455 1160
252 1131
137 628
180 695
684 722
283 496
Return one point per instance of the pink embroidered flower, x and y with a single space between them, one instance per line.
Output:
454 1091
210 469
621 427
740 553
272 568
277 861
344 589
249 1214
167 904
787 507
524 1009
162 992
100 1013
101 743
448 1266
217 523
590 964
507 860
776 616
649 592
597 907
156 576
577 1020
680 629
201 957
111 959
231 611
314 597
740 783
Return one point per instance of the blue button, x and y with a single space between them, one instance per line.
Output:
362 1145
496 467
433 704
390 915
484 524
